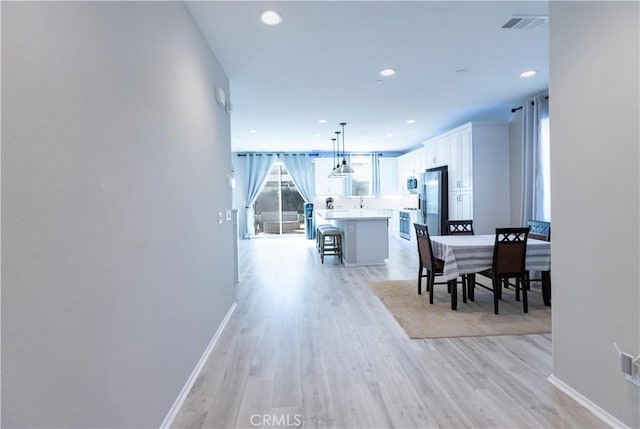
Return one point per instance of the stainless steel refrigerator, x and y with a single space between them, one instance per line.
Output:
434 200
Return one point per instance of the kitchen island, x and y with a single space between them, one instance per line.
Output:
365 234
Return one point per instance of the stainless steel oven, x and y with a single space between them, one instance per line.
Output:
405 225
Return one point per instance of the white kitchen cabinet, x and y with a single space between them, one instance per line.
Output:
404 171
437 152
461 162
460 205
418 161
410 164
388 169
324 184
478 169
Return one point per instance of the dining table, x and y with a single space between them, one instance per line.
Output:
471 254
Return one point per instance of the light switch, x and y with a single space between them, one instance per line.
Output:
219 217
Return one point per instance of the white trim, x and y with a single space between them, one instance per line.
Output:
173 412
587 403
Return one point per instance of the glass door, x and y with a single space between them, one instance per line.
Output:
279 208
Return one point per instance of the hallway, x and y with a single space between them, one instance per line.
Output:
310 345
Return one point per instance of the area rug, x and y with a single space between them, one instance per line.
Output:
419 319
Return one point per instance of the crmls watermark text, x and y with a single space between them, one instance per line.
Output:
268 420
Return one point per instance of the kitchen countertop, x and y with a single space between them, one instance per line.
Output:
354 214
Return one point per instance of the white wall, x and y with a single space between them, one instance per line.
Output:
491 186
594 99
115 272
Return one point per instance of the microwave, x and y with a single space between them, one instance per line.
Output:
412 185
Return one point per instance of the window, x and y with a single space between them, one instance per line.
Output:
361 180
279 207
536 177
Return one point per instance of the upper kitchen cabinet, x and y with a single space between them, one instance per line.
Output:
418 161
410 164
388 169
461 157
437 151
324 184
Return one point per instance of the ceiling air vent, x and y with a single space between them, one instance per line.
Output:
521 22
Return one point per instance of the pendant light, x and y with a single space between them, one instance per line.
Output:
344 169
333 147
334 173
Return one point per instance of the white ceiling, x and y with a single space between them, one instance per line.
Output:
323 61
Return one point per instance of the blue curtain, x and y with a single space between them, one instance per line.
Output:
348 189
258 167
375 174
532 204
301 171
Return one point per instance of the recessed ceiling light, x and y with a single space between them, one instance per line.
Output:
316 135
460 71
252 131
389 135
322 121
271 17
388 72
411 121
528 73
379 82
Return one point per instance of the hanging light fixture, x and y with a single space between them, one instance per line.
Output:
334 173
344 169
333 146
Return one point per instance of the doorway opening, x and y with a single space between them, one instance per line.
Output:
279 208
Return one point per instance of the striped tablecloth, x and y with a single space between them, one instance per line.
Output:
465 254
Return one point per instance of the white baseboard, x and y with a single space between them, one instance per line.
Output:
168 420
585 402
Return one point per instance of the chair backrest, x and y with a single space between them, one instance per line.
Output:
424 245
510 251
540 230
460 227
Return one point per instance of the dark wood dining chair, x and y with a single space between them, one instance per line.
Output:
509 256
464 227
539 230
460 227
433 266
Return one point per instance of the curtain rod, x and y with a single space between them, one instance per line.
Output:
312 154
515 109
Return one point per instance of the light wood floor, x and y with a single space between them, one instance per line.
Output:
311 344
